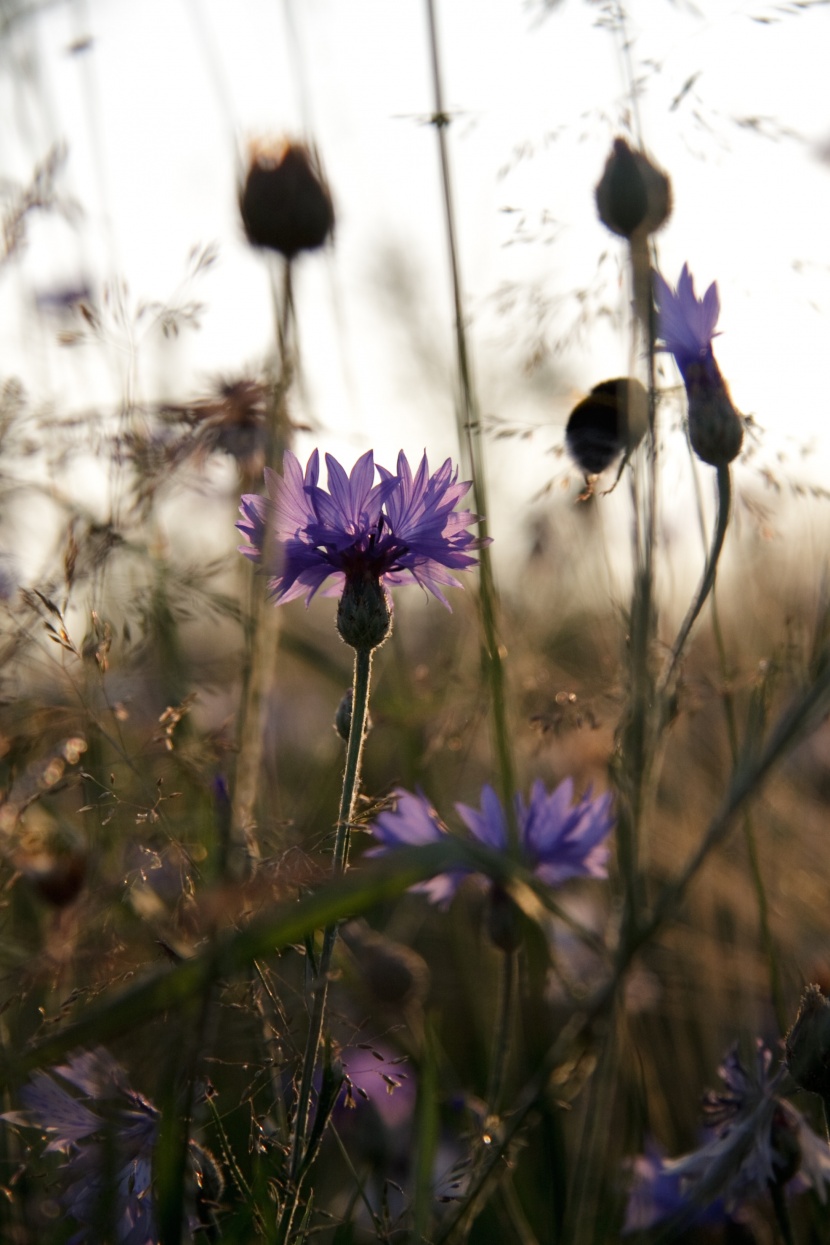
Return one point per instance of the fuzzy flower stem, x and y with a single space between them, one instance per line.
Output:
638 738
351 784
708 581
470 440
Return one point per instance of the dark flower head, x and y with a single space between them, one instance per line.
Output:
558 839
808 1043
687 329
633 196
402 530
755 1139
285 203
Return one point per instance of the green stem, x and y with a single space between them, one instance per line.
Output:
767 941
638 734
502 1034
708 581
351 783
470 439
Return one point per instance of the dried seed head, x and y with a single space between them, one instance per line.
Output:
633 196
285 203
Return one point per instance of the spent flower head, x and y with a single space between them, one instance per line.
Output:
360 534
756 1140
558 839
686 328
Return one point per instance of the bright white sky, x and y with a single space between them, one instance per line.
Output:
156 111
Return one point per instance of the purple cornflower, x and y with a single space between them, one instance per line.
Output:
657 1194
557 838
756 1140
686 327
108 1134
402 530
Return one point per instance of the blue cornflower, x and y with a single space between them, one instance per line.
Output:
755 1140
686 327
403 529
109 1134
657 1194
557 838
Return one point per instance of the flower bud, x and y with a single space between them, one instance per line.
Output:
364 619
285 203
716 430
807 1044
611 419
633 196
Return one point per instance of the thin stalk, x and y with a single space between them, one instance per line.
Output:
470 439
708 581
767 941
502 1033
638 735
351 783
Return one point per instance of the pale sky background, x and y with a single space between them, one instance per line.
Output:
155 111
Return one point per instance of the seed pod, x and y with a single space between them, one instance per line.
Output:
285 203
611 419
633 196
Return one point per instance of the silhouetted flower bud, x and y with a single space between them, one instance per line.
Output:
364 619
612 418
633 196
808 1043
285 202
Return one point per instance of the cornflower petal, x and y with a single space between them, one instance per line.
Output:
686 324
413 823
490 825
756 1138
687 328
557 840
401 530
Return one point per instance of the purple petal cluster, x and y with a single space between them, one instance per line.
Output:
686 328
686 323
108 1134
558 839
401 529
754 1139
